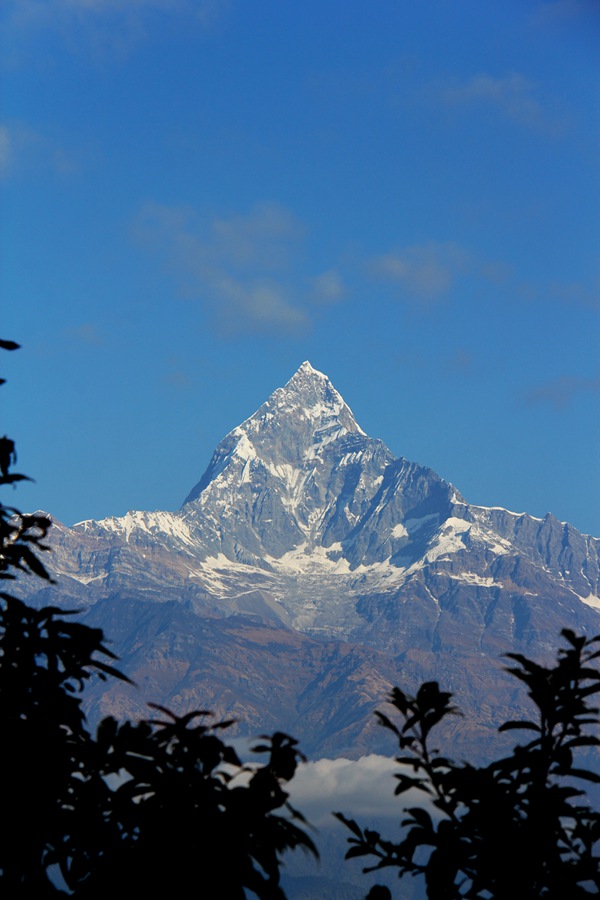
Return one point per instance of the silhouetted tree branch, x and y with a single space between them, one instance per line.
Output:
45 660
519 827
185 809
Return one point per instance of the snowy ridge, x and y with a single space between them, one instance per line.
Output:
447 540
136 521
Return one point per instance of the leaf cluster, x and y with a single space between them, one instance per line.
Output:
183 807
520 826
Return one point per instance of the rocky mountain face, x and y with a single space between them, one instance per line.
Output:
308 571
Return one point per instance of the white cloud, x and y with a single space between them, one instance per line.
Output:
426 271
34 12
560 12
361 789
5 150
110 27
561 392
238 266
86 333
328 287
260 305
23 148
514 95
178 379
261 239
576 293
461 362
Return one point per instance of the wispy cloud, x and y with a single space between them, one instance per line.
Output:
23 148
461 362
562 11
569 293
6 150
425 274
178 379
32 12
576 293
426 271
513 95
109 26
238 266
328 287
261 239
561 392
87 333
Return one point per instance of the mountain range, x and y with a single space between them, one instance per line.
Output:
308 571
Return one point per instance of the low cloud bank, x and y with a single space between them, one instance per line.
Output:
362 789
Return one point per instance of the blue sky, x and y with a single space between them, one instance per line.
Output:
198 195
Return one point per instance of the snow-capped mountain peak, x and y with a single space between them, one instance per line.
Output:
298 487
306 533
301 476
284 436
308 397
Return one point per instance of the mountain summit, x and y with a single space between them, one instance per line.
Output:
290 429
312 556
300 474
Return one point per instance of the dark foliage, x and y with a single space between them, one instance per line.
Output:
519 827
184 808
154 807
47 753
